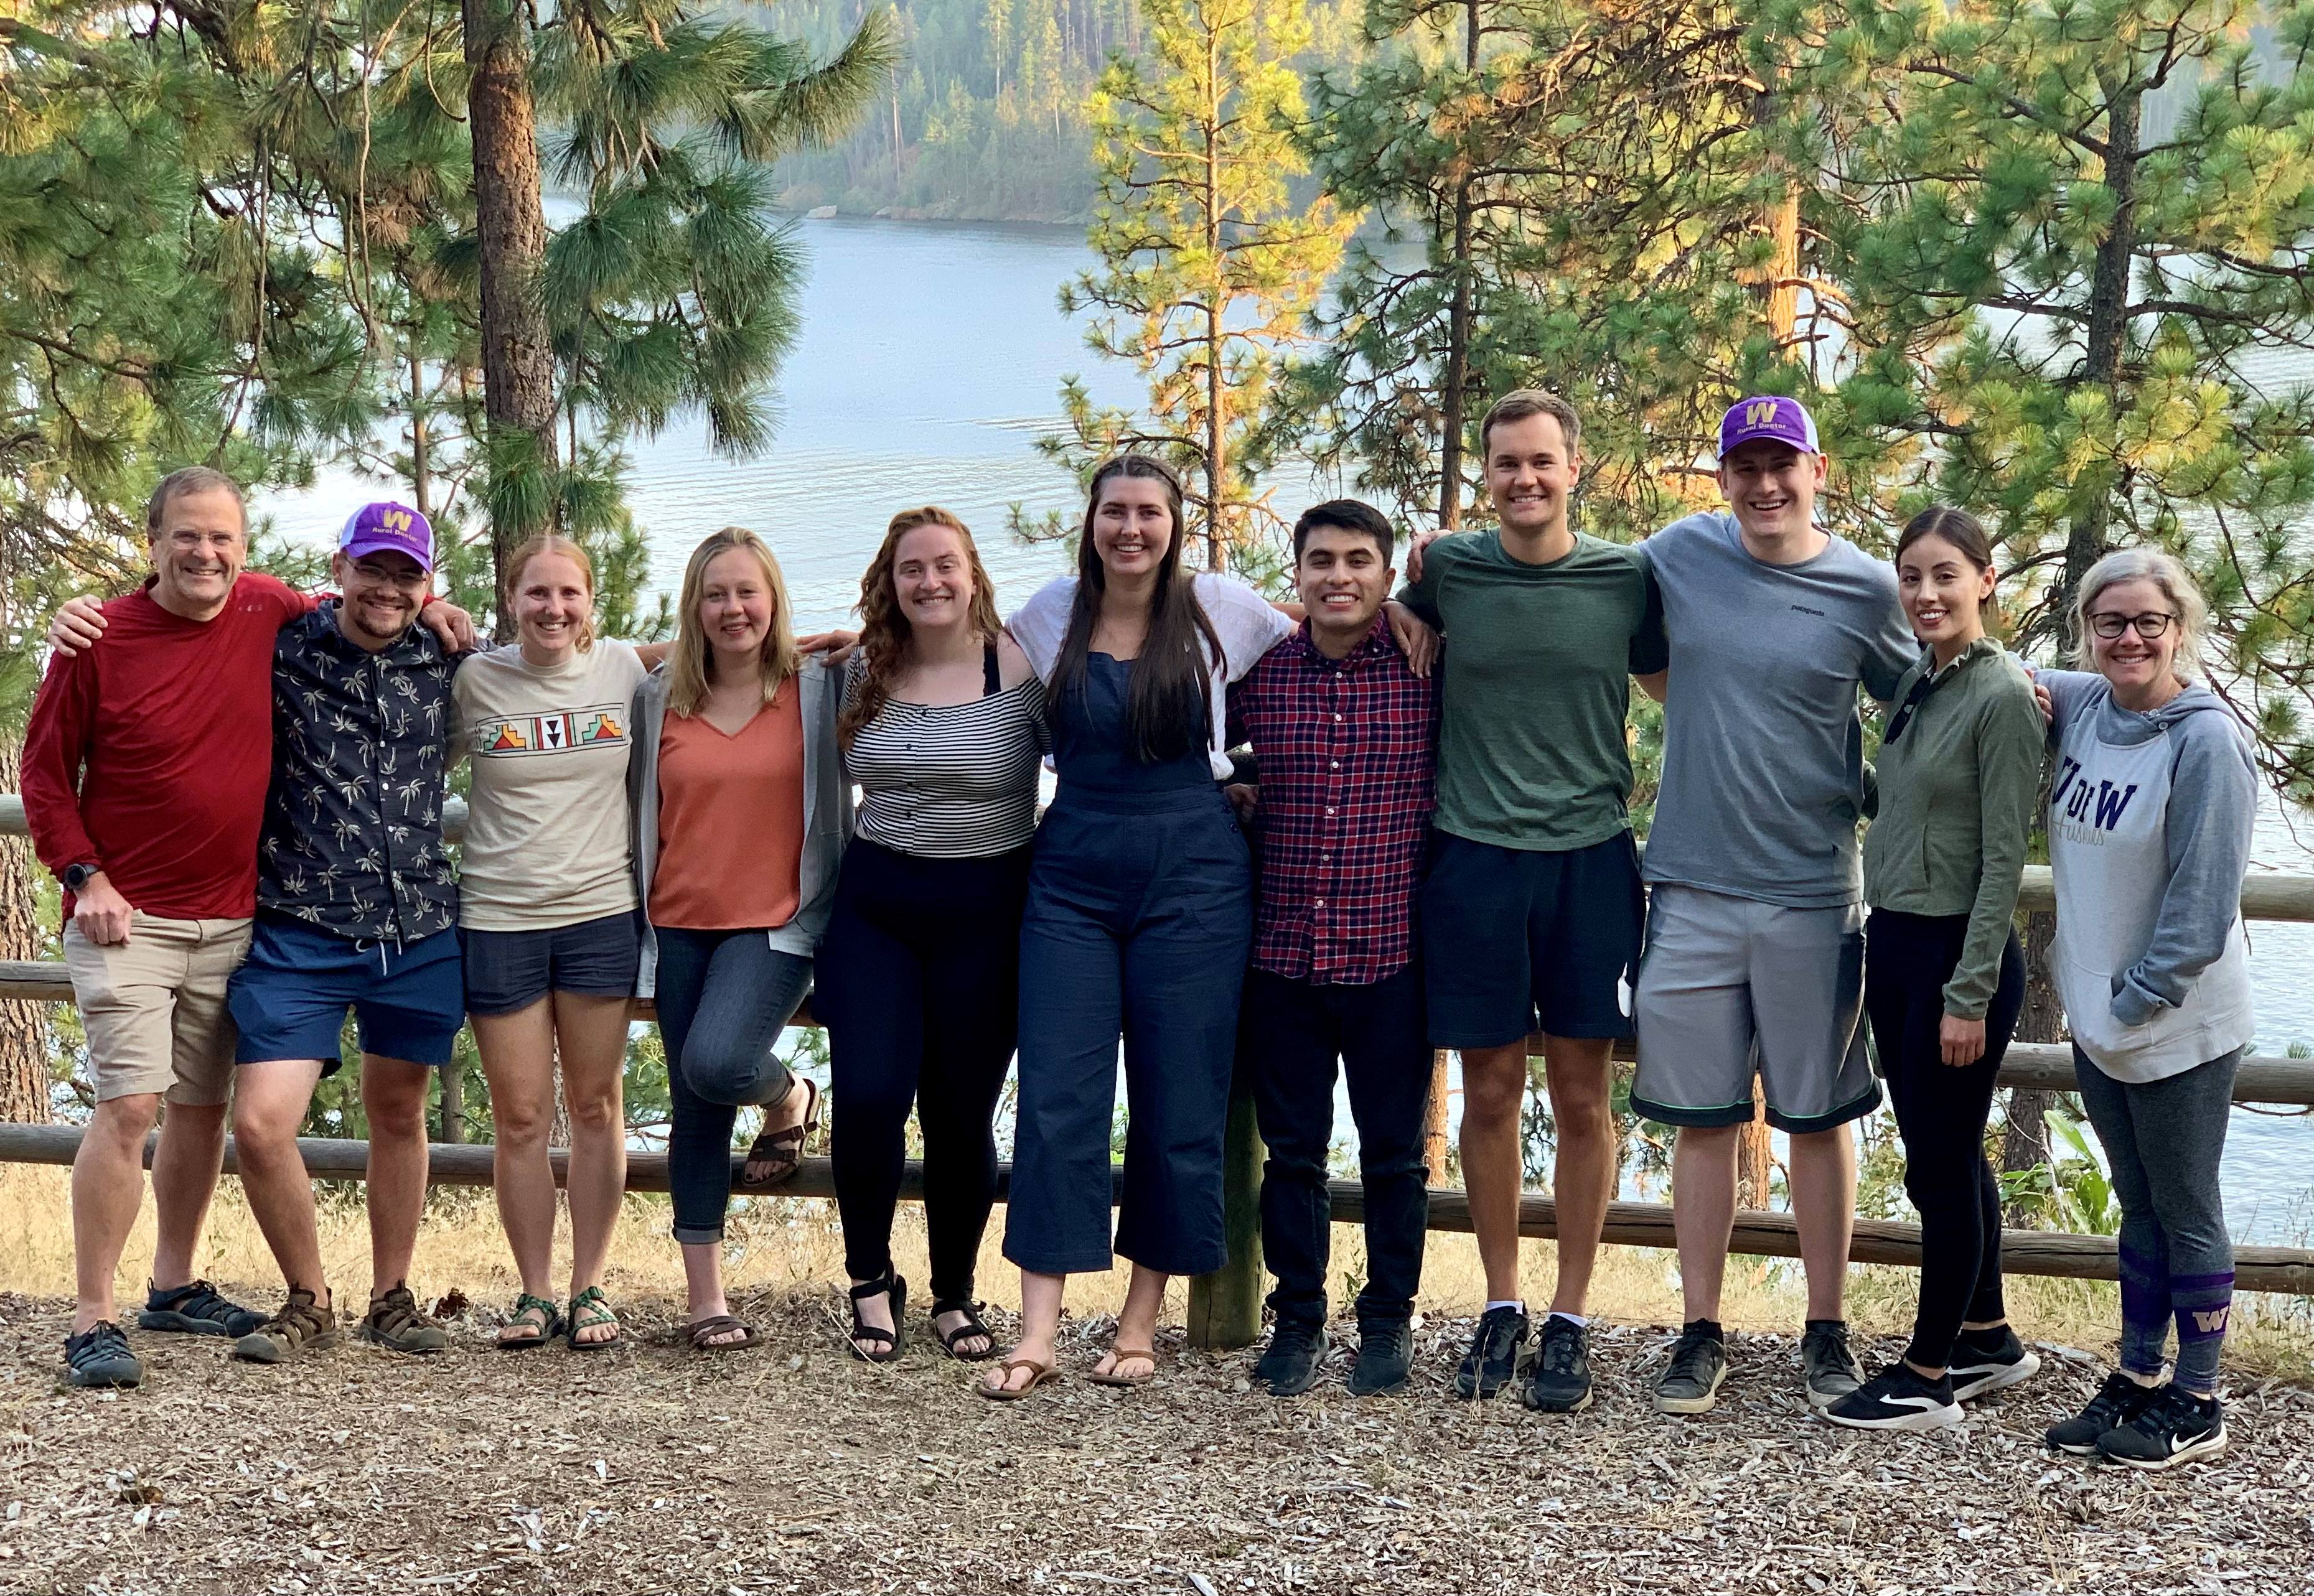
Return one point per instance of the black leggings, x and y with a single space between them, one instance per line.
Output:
919 987
1942 1113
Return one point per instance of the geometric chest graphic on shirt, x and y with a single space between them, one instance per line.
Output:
563 731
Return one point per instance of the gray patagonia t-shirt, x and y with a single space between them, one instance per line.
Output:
1764 752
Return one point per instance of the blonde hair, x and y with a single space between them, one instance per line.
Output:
884 628
686 687
2165 572
553 542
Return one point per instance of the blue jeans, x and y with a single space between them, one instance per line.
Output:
724 997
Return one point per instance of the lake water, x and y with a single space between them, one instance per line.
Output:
930 361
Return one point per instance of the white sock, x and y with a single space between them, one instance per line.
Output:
1517 1302
1578 1320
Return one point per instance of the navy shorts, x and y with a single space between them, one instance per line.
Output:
506 971
289 997
1516 941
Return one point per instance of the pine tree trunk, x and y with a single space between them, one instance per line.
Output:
24 1026
1454 399
1755 1159
510 218
1433 1125
2025 1135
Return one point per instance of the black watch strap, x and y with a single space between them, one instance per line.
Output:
77 877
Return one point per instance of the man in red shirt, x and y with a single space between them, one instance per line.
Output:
146 767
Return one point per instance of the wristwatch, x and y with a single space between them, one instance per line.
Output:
77 877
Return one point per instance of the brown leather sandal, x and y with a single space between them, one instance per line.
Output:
783 1150
1045 1373
703 1333
1117 1354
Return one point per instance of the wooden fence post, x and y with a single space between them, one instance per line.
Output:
1225 1306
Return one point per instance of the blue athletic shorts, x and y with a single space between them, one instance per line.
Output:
506 971
1515 942
289 997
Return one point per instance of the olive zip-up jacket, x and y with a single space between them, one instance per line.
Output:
1957 792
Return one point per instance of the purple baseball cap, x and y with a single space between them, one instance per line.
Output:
1775 417
386 527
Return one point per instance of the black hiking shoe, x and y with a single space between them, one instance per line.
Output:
1494 1356
2117 1402
1898 1398
302 1324
1987 1361
393 1321
1385 1357
1831 1366
1288 1366
1699 1362
100 1356
1560 1379
2176 1427
196 1310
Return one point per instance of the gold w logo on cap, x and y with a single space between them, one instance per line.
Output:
1759 412
396 520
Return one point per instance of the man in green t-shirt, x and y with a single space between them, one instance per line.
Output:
1533 911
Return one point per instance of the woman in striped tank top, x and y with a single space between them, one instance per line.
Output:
943 727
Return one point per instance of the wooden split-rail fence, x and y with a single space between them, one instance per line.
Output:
1225 1306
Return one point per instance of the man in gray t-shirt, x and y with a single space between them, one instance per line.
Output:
1755 926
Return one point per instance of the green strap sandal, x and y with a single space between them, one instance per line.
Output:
533 1315
589 1312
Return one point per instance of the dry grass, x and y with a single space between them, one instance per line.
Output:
791 1467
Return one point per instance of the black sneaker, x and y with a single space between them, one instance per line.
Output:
1898 1398
2176 1427
196 1310
2117 1402
1987 1361
1833 1371
1560 1379
1288 1366
394 1321
1385 1357
100 1356
1494 1355
303 1324
1699 1362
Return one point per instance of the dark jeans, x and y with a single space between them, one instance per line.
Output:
2165 1140
1941 1112
724 997
1289 1035
919 988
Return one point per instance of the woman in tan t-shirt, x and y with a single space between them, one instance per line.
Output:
741 810
547 910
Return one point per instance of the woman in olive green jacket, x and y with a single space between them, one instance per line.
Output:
1959 774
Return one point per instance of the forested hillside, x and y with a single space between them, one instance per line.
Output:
986 118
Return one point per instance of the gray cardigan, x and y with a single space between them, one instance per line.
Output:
826 810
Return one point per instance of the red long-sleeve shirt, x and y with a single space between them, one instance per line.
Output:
148 754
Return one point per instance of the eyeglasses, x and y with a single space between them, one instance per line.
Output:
377 576
2110 624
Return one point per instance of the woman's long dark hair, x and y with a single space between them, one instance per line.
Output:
1965 533
1168 711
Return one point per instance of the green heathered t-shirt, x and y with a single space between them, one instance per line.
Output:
1533 751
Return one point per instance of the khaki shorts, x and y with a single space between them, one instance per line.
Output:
154 1007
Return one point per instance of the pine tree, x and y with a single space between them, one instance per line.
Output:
1208 270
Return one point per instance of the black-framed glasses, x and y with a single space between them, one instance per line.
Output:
2110 624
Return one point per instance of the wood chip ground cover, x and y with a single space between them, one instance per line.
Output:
790 1467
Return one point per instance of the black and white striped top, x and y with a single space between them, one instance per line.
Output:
950 780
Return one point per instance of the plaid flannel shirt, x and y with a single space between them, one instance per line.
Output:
1347 756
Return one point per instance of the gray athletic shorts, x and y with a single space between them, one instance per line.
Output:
1728 986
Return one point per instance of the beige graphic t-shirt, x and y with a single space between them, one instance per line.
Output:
547 833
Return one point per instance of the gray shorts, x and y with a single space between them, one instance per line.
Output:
1728 986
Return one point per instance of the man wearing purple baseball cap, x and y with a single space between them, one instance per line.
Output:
1755 925
357 908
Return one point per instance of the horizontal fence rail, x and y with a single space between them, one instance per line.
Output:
2286 1269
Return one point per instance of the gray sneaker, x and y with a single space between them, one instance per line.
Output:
1699 1362
393 1321
1832 1371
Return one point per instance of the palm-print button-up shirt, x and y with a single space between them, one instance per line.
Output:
353 822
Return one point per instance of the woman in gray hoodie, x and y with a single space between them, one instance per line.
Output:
2150 810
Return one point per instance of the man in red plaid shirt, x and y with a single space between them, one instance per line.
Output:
1344 737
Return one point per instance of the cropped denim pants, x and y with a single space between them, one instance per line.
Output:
724 997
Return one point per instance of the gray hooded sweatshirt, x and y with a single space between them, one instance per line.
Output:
2149 825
